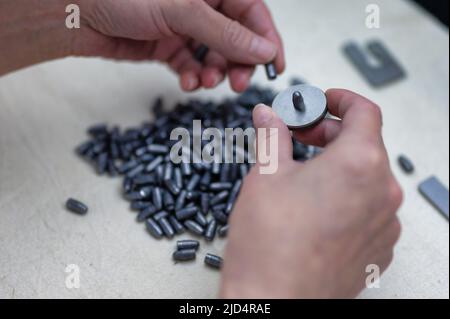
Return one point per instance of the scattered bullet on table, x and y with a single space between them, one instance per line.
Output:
77 207
406 164
213 261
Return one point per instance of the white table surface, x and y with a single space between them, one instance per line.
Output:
44 111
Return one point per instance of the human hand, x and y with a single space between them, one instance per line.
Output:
311 229
240 34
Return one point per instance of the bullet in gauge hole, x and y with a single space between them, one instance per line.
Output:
188 244
153 228
184 255
213 261
77 207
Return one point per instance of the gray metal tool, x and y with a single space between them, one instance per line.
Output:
387 69
437 194
300 106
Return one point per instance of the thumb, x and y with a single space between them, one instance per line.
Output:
273 139
235 42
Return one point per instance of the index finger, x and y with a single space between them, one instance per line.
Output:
255 15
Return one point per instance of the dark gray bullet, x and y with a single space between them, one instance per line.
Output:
77 207
213 261
157 198
177 226
221 217
204 203
169 202
193 227
181 199
219 198
193 182
160 215
186 213
167 229
158 149
222 231
220 186
406 164
210 231
153 228
201 219
184 255
154 164
188 244
146 213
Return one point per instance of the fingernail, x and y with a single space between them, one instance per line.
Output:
191 83
263 49
262 115
216 80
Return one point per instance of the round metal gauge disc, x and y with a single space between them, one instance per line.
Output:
300 106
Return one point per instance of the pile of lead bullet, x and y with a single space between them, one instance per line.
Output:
169 198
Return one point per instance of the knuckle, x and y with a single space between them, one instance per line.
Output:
360 165
396 195
375 110
232 34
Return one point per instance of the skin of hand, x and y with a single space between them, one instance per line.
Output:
239 33
311 229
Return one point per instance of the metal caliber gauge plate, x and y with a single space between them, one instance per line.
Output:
300 106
